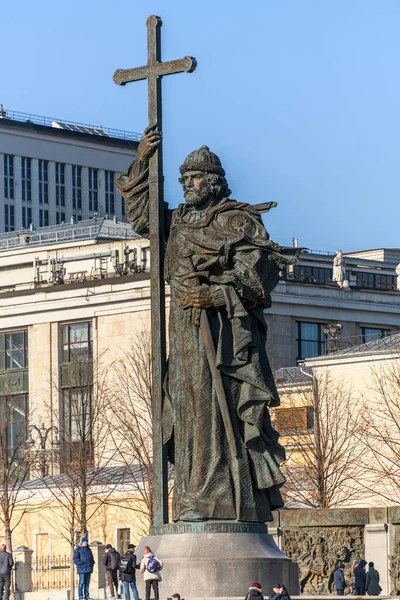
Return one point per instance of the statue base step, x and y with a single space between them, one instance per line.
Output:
217 559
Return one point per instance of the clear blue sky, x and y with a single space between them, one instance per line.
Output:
299 98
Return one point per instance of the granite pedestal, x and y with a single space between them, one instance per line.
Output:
217 559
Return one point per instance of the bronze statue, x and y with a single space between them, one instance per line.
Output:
221 267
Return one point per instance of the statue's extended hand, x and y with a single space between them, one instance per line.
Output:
199 297
149 142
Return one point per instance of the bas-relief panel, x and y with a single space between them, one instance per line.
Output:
394 563
318 551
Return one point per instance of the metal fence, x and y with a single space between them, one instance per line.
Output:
51 573
69 125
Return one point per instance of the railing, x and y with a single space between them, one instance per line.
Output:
69 125
51 573
62 234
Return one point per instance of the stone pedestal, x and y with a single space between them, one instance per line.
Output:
98 579
217 559
23 571
377 550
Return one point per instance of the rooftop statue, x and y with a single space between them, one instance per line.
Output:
339 269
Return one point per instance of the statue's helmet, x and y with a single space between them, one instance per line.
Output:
202 160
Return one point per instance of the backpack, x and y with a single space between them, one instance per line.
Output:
125 564
153 565
114 560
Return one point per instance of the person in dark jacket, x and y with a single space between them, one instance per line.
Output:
111 563
84 562
6 564
359 578
338 578
372 581
255 592
128 575
279 592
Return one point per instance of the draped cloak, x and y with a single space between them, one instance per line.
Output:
228 246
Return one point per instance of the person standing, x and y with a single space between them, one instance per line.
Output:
111 563
127 571
84 562
340 583
372 581
6 564
359 578
151 567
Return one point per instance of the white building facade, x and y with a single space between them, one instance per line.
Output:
53 170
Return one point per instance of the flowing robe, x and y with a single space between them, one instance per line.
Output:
228 247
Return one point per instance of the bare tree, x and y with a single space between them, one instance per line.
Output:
323 451
380 428
131 425
84 482
14 464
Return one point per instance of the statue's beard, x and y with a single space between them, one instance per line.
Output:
195 197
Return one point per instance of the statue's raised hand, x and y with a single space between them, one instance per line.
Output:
149 142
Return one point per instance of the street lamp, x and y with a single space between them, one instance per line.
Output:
43 452
332 332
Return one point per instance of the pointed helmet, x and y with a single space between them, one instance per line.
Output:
202 160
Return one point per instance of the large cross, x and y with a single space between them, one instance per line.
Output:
153 72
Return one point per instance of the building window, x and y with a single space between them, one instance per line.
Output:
124 538
13 407
122 206
26 217
26 179
294 420
42 546
93 190
43 218
60 217
60 184
13 350
110 207
76 339
375 281
310 339
43 181
317 275
9 217
369 334
9 176
78 415
77 380
76 187
14 415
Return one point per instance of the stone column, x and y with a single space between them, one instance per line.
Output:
377 550
35 191
101 194
86 213
69 210
52 208
23 571
17 194
98 580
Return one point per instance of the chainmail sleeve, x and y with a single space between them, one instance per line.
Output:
134 188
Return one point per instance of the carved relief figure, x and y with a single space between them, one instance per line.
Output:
318 551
